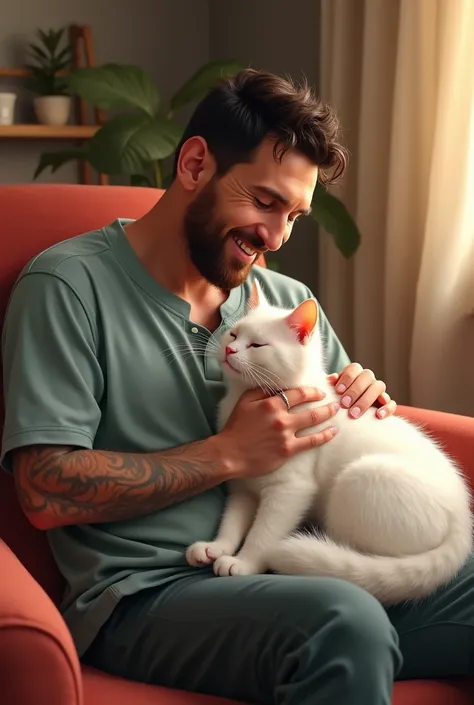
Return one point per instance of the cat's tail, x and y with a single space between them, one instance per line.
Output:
389 579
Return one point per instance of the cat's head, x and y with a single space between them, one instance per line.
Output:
270 347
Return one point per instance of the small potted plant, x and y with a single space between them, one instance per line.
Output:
50 58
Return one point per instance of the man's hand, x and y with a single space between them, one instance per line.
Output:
260 434
360 390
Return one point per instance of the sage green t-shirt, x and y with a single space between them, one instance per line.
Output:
87 361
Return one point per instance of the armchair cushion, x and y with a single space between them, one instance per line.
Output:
38 660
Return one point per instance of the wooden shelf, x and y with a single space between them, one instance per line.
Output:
19 72
33 131
80 38
13 72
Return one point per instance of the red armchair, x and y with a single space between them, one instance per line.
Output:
38 662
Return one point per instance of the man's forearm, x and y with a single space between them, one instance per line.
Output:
59 486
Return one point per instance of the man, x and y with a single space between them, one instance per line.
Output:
110 429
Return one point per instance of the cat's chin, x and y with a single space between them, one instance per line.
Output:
236 380
230 371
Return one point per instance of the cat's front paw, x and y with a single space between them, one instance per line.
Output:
204 553
231 565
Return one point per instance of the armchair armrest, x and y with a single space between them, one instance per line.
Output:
455 433
38 660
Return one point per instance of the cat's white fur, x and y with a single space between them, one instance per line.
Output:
393 508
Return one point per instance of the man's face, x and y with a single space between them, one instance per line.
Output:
250 210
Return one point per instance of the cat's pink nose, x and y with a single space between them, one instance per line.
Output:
229 351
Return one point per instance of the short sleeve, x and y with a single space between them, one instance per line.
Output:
336 357
52 378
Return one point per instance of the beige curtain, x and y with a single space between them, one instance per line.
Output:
400 74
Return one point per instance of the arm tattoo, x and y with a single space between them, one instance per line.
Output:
89 486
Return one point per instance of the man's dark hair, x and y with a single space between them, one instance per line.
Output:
236 115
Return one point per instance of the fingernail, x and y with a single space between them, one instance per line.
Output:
346 401
333 430
355 412
340 388
381 413
336 406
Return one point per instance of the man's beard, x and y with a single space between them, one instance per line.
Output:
207 242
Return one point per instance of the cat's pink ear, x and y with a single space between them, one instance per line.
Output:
257 297
303 319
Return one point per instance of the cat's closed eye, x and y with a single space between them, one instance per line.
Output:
232 335
257 345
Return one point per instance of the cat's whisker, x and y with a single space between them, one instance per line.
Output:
271 389
184 347
214 339
211 338
177 359
211 347
204 339
246 373
183 351
182 355
253 378
256 374
259 378
172 348
267 372
274 381
271 383
186 351
199 346
192 344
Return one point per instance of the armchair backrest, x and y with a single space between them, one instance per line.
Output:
34 217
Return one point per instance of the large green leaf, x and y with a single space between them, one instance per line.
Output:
202 81
56 159
129 143
116 86
333 216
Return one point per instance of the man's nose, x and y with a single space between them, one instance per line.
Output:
229 351
274 234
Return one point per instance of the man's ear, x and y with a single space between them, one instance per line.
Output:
196 165
303 319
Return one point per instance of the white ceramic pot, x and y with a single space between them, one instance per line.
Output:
52 109
7 108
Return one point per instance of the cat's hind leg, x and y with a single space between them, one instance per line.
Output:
378 505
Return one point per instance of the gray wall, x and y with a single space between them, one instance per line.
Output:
280 36
168 38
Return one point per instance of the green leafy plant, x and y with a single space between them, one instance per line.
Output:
138 141
48 59
332 215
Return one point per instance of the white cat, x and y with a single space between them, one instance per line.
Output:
394 509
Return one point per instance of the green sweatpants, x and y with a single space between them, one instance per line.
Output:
287 640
